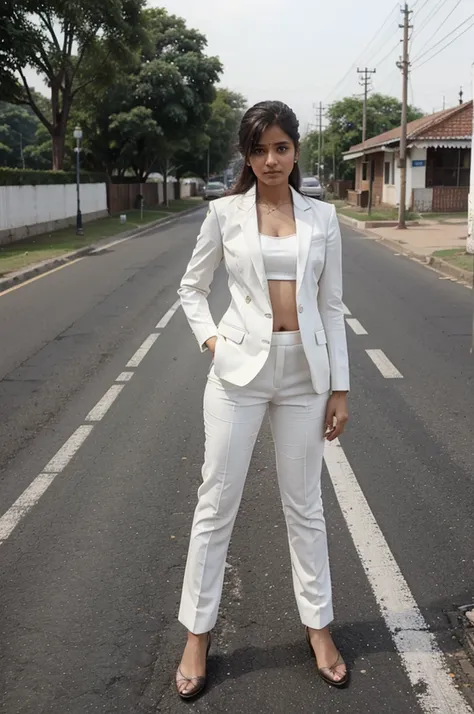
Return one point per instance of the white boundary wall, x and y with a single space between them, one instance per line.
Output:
31 210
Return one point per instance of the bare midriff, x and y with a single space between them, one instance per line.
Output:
281 224
283 300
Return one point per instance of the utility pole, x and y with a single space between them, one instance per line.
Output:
461 94
364 81
404 65
470 219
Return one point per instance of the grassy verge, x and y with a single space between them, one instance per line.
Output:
378 214
21 254
457 257
443 217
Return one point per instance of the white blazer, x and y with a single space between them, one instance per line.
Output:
230 232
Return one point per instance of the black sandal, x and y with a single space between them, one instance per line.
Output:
330 670
200 681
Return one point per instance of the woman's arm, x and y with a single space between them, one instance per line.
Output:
196 282
331 307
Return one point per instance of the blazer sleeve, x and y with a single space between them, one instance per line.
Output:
196 282
331 307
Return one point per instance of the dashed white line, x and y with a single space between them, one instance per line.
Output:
356 326
383 364
125 376
67 451
29 497
346 309
104 404
143 350
417 647
167 317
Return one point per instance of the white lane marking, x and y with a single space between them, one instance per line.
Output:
125 376
104 404
39 277
383 364
67 451
346 309
417 647
143 350
356 326
166 318
29 497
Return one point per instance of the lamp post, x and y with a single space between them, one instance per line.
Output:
78 137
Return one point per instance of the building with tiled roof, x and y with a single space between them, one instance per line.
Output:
438 163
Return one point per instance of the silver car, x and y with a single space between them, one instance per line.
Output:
214 189
311 186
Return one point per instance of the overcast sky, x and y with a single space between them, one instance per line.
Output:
306 51
300 50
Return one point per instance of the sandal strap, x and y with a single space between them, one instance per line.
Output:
183 678
338 663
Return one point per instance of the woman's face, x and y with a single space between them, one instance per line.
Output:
274 157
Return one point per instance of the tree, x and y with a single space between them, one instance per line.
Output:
158 105
23 140
345 129
219 137
176 82
70 45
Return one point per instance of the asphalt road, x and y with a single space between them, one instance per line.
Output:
94 540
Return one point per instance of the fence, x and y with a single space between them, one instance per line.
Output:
31 210
127 196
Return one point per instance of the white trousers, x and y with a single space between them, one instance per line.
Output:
232 418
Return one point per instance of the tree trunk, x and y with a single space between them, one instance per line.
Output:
58 152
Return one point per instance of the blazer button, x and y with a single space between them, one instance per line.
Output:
268 314
300 308
266 342
248 299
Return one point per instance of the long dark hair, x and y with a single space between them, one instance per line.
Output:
255 121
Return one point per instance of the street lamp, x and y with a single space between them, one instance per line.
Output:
78 137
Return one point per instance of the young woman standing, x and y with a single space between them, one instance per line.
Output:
280 346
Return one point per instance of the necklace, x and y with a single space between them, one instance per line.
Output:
271 208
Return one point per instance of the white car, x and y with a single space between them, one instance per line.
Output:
214 189
310 186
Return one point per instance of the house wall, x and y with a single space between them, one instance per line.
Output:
31 210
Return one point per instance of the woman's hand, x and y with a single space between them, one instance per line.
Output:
211 345
336 415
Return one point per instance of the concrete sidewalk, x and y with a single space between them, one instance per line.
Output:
422 240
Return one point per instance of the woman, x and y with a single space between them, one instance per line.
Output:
281 345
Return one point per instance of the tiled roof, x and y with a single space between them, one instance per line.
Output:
454 123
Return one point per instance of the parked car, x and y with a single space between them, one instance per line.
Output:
214 189
311 186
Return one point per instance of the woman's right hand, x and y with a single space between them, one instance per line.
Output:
211 345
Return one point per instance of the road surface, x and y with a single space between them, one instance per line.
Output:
101 443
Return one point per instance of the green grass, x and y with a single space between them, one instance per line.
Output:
21 254
378 214
457 257
443 217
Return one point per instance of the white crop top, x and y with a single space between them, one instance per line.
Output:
279 256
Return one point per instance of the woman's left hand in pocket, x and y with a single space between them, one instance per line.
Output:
337 415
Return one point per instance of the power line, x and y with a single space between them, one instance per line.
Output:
445 46
360 57
442 23
420 56
435 11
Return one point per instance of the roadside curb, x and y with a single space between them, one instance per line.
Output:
363 225
400 247
21 276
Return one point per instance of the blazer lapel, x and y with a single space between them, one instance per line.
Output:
249 225
304 231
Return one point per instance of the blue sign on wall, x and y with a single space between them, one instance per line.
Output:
418 162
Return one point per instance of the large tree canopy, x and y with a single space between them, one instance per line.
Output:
70 45
344 129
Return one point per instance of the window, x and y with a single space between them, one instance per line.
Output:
448 167
387 172
364 170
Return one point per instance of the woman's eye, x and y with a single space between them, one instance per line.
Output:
258 152
282 149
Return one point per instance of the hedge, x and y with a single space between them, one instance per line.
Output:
30 177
